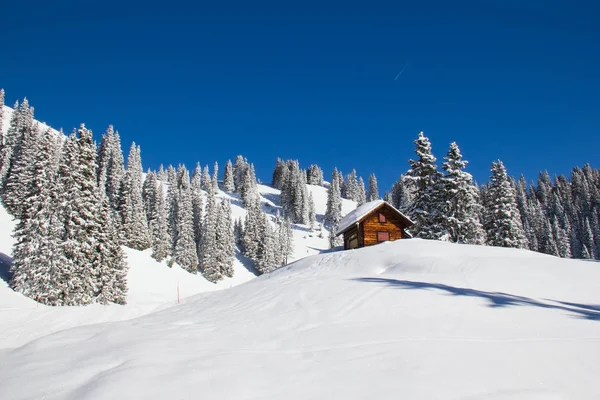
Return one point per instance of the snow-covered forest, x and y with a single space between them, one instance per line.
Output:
76 203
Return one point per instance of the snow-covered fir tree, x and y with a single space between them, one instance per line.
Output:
502 221
224 239
373 193
17 159
184 252
401 194
111 168
93 267
104 156
333 213
426 207
267 259
238 231
285 240
20 173
205 182
154 204
589 248
9 142
171 204
161 242
247 186
239 170
134 225
294 195
252 234
197 204
228 184
161 175
351 190
461 204
37 255
362 194
314 175
208 245
279 174
215 177
312 214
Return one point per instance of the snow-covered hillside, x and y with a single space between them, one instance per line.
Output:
410 319
152 285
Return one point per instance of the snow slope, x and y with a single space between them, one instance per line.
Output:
152 285
410 319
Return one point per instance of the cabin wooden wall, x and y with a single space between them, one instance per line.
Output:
371 225
349 235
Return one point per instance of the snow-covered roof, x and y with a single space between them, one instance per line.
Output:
361 212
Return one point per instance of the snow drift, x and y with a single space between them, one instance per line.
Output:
410 319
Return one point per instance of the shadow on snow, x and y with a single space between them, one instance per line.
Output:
5 264
496 299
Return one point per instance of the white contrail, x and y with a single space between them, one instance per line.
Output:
400 73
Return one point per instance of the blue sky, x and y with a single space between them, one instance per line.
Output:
200 81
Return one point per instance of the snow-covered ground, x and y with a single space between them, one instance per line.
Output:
152 285
410 319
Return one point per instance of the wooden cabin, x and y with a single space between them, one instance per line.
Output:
372 223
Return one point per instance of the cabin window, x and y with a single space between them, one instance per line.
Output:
383 236
382 218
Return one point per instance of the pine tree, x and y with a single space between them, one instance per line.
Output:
352 191
37 256
426 209
115 173
238 231
333 213
105 157
110 260
239 170
314 175
401 195
247 187
154 205
20 174
157 222
93 267
208 245
285 241
224 240
502 221
205 182
161 175
312 215
588 241
561 239
279 174
461 203
134 225
172 202
185 253
10 141
373 189
252 231
148 190
215 177
267 260
197 205
228 185
362 195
